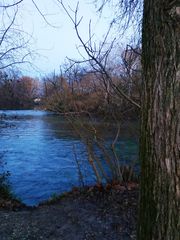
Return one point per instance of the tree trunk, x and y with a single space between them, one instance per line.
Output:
159 213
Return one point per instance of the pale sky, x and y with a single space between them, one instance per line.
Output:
53 44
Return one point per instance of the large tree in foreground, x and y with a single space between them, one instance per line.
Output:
159 210
159 215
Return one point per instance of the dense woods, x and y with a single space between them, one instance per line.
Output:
81 89
78 88
17 92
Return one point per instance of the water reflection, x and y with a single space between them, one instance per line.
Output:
38 150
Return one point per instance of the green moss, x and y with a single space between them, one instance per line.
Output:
5 192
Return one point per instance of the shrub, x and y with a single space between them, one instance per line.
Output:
5 192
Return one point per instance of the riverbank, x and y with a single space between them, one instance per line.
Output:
91 213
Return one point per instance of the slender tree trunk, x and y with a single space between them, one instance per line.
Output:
159 214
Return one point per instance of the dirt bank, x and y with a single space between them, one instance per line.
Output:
90 214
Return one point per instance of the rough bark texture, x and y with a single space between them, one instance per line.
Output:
159 214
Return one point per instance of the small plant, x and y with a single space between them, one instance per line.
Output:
5 192
53 197
102 155
80 174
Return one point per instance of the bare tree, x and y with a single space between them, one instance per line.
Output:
14 42
97 55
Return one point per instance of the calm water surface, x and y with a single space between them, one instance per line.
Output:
36 147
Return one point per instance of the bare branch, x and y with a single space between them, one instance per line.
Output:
134 50
14 63
7 29
96 58
13 40
42 15
11 5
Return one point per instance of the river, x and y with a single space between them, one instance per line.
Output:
36 147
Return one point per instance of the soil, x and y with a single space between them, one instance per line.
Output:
93 213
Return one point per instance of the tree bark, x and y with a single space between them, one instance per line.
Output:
159 213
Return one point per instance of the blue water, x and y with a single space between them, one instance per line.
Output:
36 147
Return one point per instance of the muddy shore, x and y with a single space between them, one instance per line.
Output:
93 213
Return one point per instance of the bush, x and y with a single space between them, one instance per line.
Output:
5 192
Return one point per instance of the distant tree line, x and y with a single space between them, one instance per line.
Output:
78 88
17 92
83 89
